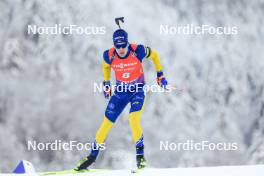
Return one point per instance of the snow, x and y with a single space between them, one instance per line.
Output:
249 170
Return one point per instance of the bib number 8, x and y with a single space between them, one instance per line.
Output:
125 75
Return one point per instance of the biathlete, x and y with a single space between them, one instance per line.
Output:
125 60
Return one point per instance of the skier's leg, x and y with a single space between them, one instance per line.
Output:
103 130
101 135
137 106
134 122
99 139
114 108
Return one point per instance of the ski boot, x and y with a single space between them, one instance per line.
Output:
85 163
141 162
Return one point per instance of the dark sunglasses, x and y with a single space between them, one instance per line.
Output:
121 46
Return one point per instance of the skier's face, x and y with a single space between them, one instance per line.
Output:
122 51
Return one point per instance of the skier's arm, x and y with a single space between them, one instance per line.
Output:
154 56
106 71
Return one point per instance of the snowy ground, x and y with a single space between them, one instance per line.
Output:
253 170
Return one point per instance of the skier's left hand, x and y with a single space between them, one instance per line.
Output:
161 80
107 89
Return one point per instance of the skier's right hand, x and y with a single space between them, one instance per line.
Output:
107 89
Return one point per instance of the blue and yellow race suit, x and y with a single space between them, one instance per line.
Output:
128 71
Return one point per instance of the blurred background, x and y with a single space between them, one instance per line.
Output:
46 81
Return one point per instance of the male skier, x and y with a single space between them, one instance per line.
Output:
125 59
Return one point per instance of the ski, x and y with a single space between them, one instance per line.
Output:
70 171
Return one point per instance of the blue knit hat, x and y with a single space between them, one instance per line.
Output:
120 38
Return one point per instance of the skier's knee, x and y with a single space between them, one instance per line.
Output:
111 116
